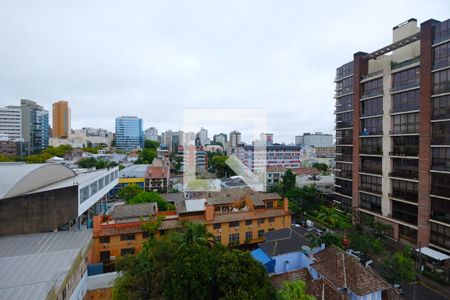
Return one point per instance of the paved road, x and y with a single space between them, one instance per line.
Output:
421 292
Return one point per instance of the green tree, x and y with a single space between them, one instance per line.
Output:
332 218
217 162
294 290
146 156
400 266
129 192
145 197
151 144
322 167
4 158
288 183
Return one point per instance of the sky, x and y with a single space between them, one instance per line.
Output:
155 59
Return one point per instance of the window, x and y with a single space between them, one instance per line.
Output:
234 238
104 256
94 188
84 194
405 123
261 221
406 101
104 239
404 212
405 145
261 233
127 237
217 225
249 235
233 224
127 251
343 187
372 88
344 202
441 107
269 204
344 86
344 120
372 146
271 229
441 82
370 202
372 126
271 219
344 137
440 235
440 159
345 70
406 79
218 239
248 222
344 170
371 184
405 190
344 103
371 165
440 133
405 168
440 184
440 210
372 107
441 55
441 32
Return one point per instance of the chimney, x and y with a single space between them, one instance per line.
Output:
98 219
209 212
285 204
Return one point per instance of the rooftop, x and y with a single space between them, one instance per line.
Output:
34 264
134 171
283 241
134 210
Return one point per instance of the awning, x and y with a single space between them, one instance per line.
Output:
433 253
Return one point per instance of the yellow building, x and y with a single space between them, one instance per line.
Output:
61 119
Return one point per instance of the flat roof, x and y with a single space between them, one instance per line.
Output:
433 253
195 205
33 264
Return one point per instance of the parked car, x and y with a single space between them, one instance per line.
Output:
317 231
303 224
309 224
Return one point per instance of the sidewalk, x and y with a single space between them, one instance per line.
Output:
443 290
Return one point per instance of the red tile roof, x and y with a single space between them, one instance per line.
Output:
157 172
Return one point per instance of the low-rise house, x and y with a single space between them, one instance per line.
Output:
157 177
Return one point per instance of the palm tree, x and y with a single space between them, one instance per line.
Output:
194 234
330 216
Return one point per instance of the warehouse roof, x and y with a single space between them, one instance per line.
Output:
32 265
20 178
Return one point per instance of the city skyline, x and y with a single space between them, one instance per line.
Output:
176 62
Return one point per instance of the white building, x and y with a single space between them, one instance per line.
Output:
151 134
221 138
272 156
203 137
317 139
11 122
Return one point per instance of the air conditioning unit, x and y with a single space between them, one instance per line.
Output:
104 245
112 258
219 230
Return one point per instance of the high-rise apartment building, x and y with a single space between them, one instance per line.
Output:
235 138
35 128
11 123
151 134
202 137
393 134
317 139
61 119
221 138
129 134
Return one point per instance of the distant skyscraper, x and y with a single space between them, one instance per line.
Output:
129 134
61 119
35 128
267 138
11 122
166 139
221 138
317 139
203 137
235 138
151 134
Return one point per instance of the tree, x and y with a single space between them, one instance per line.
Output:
151 144
218 163
4 158
322 167
400 266
146 156
146 197
130 191
288 182
294 290
332 218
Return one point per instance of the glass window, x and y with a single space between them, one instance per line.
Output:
440 133
218 225
372 88
127 237
344 86
371 146
441 82
84 194
218 239
440 210
441 31
405 123
440 184
261 221
405 190
233 224
271 219
370 202
441 55
234 238
248 222
440 235
371 165
406 79
344 103
249 235
371 184
344 120
440 159
127 251
441 107
104 239
269 204
404 212
372 126
344 137
104 256
406 101
372 107
261 233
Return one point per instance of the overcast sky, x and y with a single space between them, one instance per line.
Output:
155 58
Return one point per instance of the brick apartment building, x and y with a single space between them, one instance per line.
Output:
393 134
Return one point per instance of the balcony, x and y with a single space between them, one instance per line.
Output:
340 125
407 130
398 65
440 164
368 170
343 157
370 132
343 174
372 94
371 150
373 74
406 195
408 174
441 113
344 141
405 86
405 151
441 64
440 190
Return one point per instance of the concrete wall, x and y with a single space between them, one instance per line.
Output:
40 212
291 261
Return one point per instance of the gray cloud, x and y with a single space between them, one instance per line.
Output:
152 59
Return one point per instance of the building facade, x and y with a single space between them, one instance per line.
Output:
35 126
151 134
61 119
393 134
272 156
221 138
129 134
11 122
317 139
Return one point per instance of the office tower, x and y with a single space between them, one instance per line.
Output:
151 134
235 138
61 119
166 139
221 138
35 128
393 134
129 134
11 123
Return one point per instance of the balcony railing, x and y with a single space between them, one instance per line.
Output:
404 195
441 114
369 132
343 174
340 125
440 164
371 94
441 64
370 114
409 174
405 86
407 130
405 151
398 65
371 150
440 140
348 141
405 217
440 190
344 157
365 169
373 74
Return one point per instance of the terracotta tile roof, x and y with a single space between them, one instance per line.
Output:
302 274
255 214
157 172
306 171
344 271
132 227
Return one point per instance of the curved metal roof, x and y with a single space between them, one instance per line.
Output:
18 179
